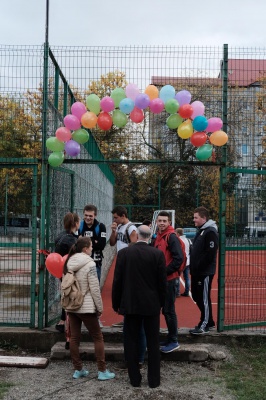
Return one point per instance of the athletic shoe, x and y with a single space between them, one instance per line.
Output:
199 331
60 327
118 324
80 374
67 346
170 347
104 376
211 327
185 294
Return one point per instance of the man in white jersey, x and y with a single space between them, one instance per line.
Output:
123 231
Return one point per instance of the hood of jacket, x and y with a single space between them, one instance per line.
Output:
209 224
168 230
77 261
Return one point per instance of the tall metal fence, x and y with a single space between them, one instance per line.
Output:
153 166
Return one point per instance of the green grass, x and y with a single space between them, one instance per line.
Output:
4 388
245 374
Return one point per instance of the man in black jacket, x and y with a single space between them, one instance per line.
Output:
202 268
97 232
138 292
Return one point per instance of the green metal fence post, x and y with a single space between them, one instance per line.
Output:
43 186
222 202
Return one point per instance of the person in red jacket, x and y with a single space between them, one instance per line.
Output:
167 241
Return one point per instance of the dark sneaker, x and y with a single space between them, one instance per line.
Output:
185 294
60 327
199 331
211 326
170 347
67 346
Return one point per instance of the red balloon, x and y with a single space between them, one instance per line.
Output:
137 115
104 121
198 138
54 263
185 111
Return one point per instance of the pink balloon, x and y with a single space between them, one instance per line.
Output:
78 109
107 104
214 124
156 105
72 122
63 134
132 91
137 115
198 109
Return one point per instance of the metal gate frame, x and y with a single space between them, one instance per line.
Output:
29 164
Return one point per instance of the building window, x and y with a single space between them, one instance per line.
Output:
244 148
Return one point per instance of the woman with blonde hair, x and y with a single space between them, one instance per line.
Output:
80 262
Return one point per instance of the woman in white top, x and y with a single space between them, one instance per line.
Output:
80 262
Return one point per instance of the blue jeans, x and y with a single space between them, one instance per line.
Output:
169 311
99 269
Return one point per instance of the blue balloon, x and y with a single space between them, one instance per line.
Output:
126 105
200 123
166 93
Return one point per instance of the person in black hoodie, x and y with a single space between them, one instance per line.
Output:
202 268
63 243
97 232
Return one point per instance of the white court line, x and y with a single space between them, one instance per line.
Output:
247 262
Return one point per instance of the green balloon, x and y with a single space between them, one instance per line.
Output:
117 95
204 152
119 119
81 136
52 143
173 121
93 103
55 159
171 106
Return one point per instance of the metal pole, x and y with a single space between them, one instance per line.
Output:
44 171
6 205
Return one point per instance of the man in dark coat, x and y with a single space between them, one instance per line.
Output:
138 292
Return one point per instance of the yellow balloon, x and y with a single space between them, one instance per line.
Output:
218 138
185 130
152 91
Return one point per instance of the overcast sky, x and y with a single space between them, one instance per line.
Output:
136 22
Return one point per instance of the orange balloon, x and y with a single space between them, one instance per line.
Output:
89 119
185 130
152 91
54 263
218 138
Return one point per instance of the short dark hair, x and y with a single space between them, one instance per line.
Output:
120 211
90 207
146 222
164 214
203 212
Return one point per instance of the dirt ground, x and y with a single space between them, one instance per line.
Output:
179 380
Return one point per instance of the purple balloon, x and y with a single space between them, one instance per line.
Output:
142 101
72 148
214 124
183 97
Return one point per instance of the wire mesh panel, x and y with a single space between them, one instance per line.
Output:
18 246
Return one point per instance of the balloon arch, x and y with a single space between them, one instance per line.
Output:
128 104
